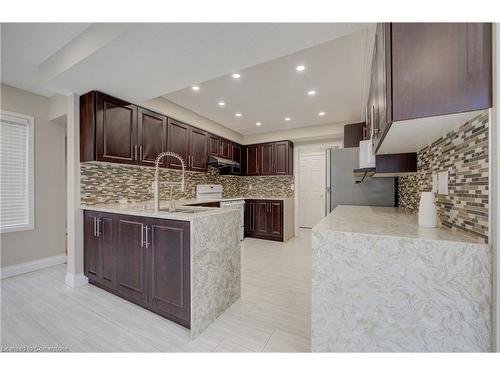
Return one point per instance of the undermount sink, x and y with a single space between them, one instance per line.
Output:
185 210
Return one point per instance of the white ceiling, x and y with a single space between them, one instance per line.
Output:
26 45
142 61
273 90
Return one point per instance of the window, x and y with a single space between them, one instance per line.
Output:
16 172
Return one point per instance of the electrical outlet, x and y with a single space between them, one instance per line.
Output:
443 182
434 183
250 187
292 187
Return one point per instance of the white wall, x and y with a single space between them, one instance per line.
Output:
48 239
177 112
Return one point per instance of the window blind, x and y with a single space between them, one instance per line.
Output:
15 174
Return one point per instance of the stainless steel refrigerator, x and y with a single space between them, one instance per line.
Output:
341 187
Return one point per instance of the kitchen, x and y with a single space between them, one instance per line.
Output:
186 209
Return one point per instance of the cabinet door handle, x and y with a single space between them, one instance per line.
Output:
140 152
142 235
135 152
95 227
99 227
147 239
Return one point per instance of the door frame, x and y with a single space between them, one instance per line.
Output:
307 147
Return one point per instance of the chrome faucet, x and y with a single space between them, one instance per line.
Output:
156 184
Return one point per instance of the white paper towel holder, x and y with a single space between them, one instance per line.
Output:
427 210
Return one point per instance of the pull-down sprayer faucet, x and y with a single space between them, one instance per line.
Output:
156 183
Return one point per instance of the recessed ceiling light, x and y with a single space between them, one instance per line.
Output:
195 88
311 92
287 119
321 113
221 104
258 123
238 114
236 75
300 68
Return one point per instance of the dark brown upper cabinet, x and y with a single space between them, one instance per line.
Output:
266 159
190 143
178 142
225 148
353 134
214 145
116 130
198 155
236 155
152 136
283 158
428 69
252 160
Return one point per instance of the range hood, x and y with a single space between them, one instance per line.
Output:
219 162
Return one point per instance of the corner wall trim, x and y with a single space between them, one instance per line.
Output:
75 281
18 269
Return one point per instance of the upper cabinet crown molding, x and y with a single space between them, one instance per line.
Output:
422 70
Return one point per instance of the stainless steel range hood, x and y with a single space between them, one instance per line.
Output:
222 162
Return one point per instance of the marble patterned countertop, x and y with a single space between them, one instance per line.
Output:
146 208
380 283
385 221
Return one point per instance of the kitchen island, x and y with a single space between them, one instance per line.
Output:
184 265
382 283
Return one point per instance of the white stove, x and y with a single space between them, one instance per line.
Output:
214 192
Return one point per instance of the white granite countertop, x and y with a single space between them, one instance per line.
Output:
385 221
380 283
146 209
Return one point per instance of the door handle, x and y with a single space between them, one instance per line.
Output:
135 152
95 227
142 235
140 152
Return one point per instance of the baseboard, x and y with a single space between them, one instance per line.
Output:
75 281
18 269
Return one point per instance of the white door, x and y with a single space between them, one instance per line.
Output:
312 185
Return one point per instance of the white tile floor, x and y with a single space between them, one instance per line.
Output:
272 315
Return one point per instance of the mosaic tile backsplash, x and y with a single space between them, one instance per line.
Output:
107 183
463 152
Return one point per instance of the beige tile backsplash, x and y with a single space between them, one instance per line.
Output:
463 152
106 182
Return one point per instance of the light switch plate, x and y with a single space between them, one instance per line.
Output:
443 182
434 183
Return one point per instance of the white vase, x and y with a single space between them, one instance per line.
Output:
427 210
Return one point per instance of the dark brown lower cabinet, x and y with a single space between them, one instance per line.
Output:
264 219
169 286
99 237
131 258
143 260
